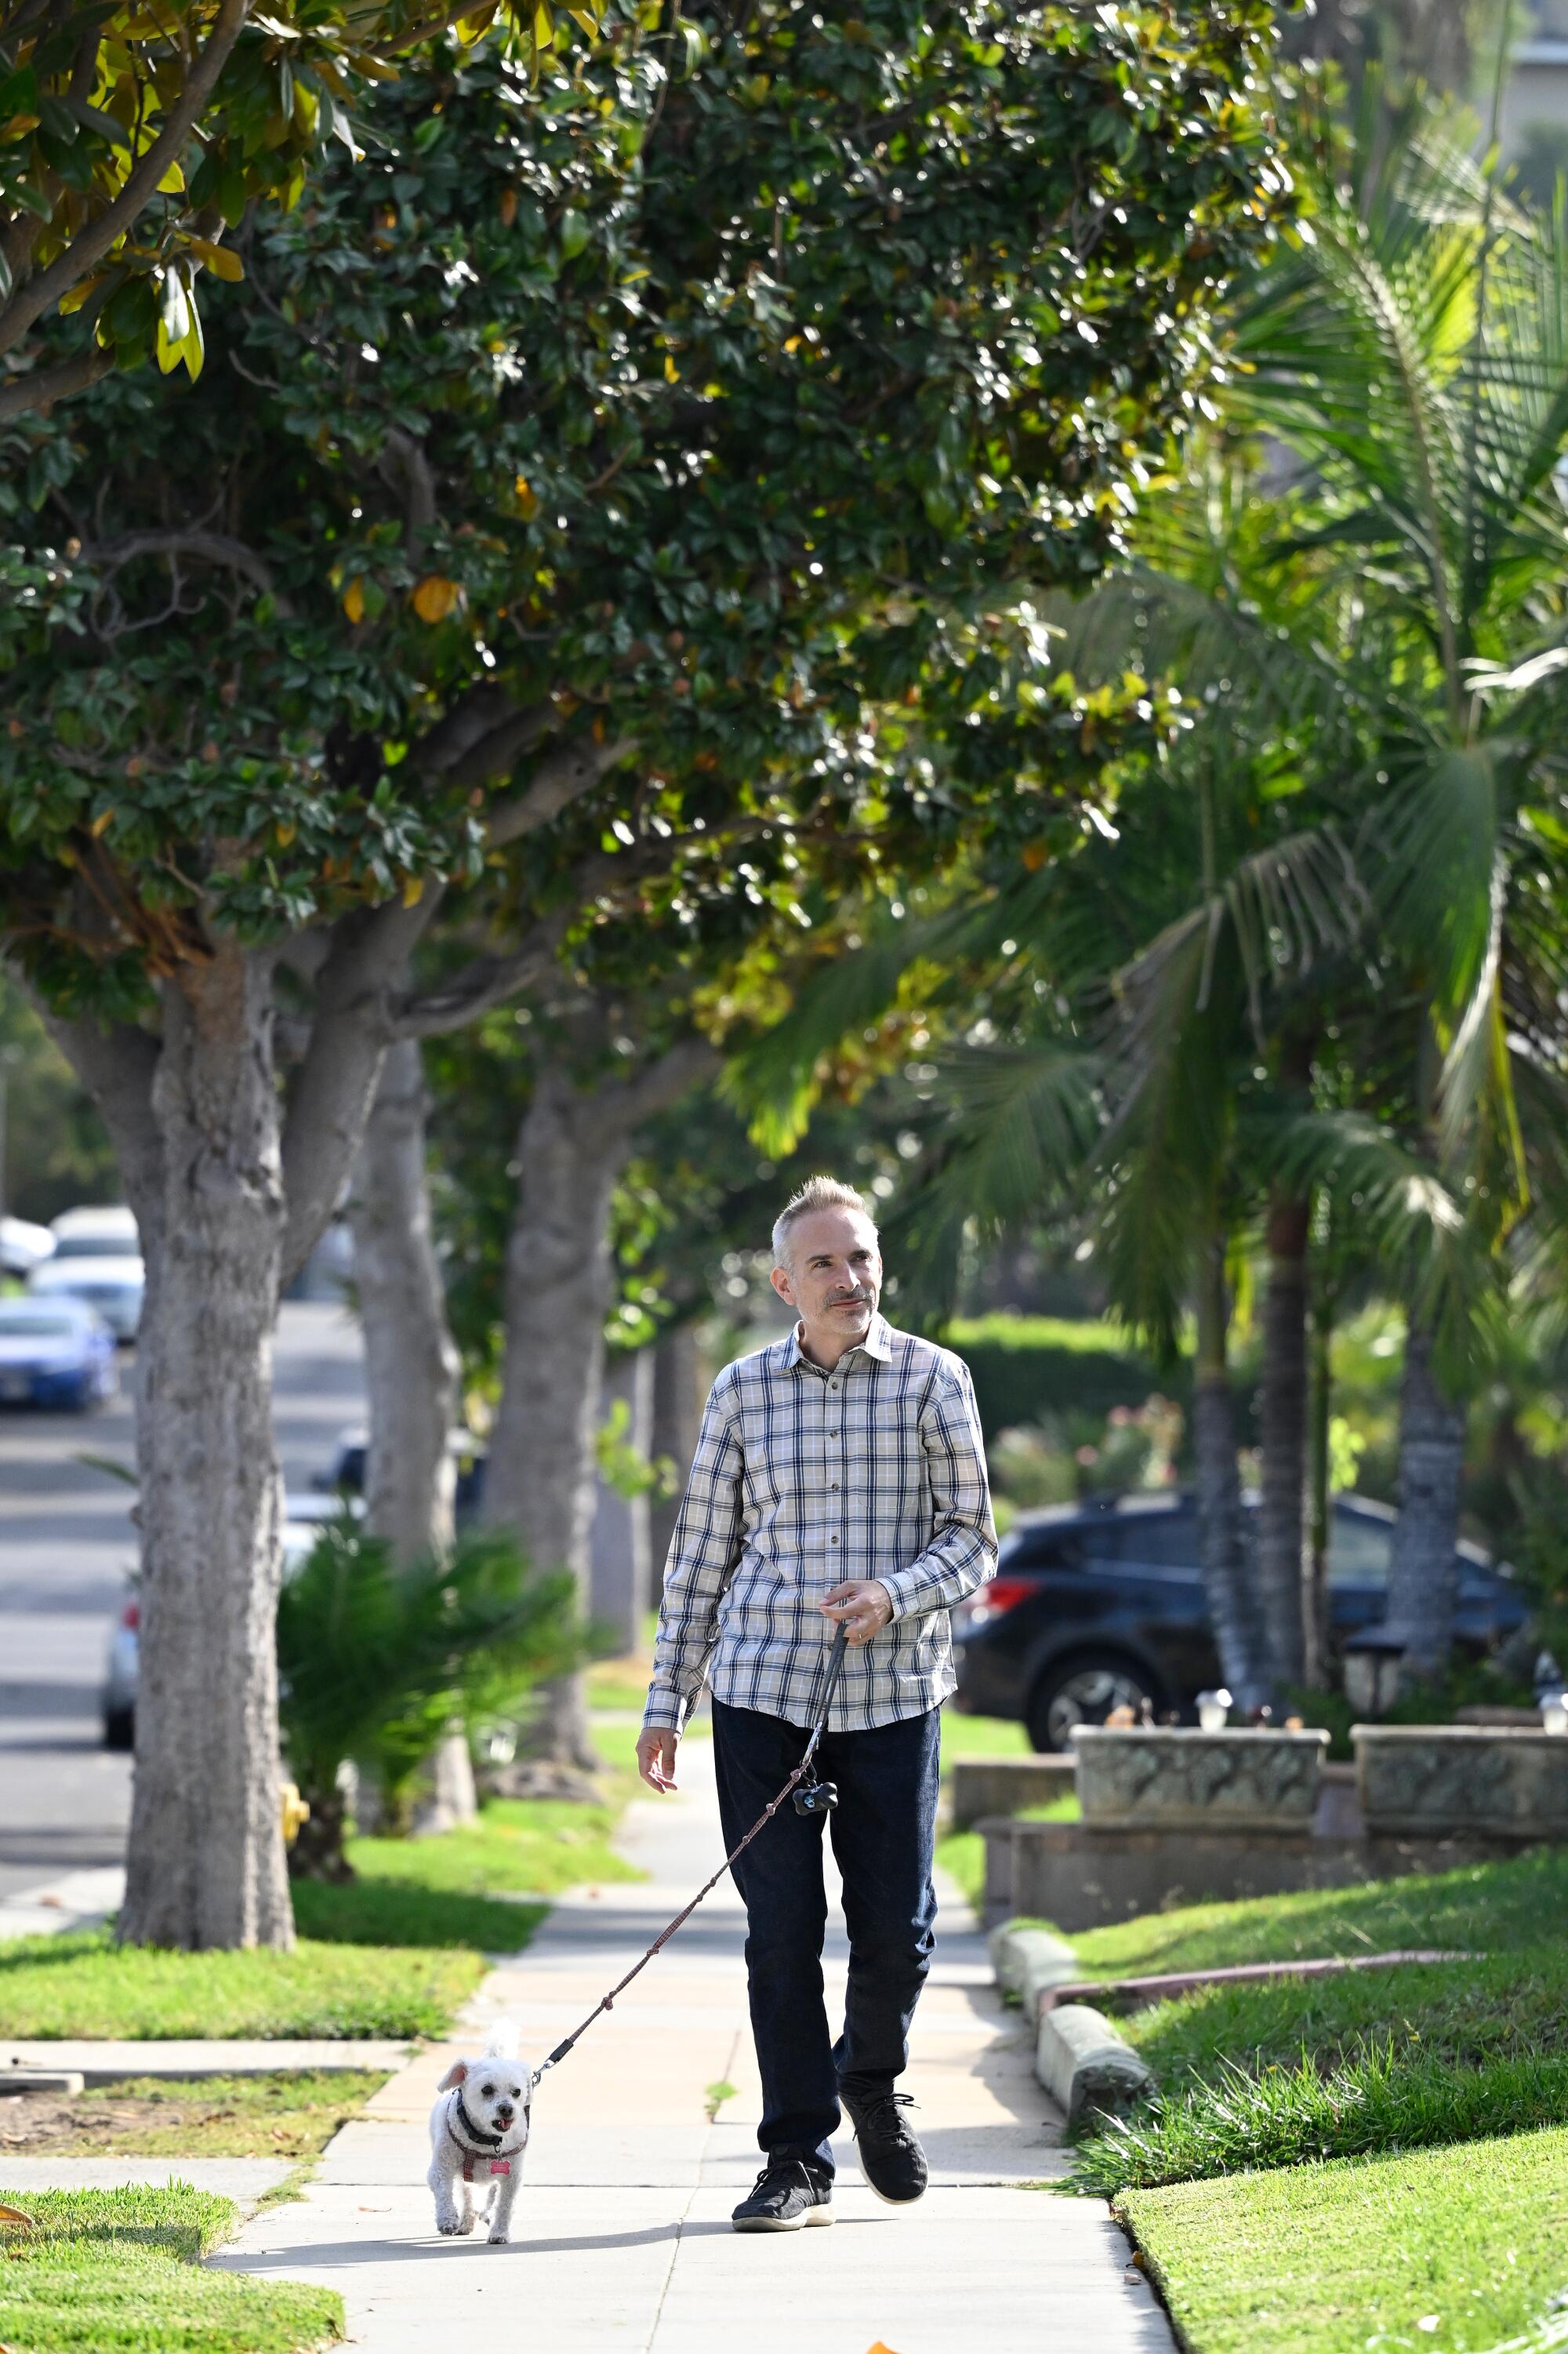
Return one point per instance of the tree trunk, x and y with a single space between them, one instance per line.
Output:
1423 1571
411 1366
412 1370
1282 1419
619 1544
1239 1632
677 1417
539 1478
1315 1663
206 1859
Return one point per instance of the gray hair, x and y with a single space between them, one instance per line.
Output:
816 1193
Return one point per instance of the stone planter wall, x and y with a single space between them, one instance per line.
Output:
1173 1778
1002 1785
1457 1781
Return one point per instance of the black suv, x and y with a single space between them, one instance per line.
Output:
1093 1605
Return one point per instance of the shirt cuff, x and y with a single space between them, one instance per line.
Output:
666 1711
904 1589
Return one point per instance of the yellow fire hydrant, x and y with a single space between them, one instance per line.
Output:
295 1810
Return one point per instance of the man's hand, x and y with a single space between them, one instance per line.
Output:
863 1607
656 1757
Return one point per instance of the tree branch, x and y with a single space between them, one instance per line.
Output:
41 388
116 1066
353 1027
563 778
401 454
486 982
618 1110
40 295
212 546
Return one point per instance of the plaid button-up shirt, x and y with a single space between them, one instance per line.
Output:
803 1480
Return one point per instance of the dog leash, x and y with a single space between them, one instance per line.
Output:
835 1665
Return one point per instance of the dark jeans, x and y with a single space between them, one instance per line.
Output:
882 1832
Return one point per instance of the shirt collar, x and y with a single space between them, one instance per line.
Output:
878 1343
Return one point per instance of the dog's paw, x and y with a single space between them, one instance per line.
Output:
450 2226
500 2239
466 2226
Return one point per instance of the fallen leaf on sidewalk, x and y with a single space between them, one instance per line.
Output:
878 2348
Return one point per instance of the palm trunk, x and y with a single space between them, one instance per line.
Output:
1282 1417
539 1479
1315 1571
412 1365
206 1860
1239 1632
1424 1570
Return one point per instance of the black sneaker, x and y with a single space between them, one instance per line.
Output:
787 2195
891 2159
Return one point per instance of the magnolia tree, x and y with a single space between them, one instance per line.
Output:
134 141
584 479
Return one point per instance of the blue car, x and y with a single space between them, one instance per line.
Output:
55 1353
1100 1605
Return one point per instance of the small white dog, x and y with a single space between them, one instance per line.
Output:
479 2130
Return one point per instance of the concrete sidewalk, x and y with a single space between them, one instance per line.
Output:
622 2233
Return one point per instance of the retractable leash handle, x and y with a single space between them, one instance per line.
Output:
821 1805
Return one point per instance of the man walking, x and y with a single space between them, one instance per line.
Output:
839 1476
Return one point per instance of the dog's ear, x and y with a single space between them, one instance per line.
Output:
456 2075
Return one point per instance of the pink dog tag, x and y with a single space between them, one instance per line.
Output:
501 2166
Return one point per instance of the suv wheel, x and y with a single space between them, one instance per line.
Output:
1084 1692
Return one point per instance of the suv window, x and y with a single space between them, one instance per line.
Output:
1358 1549
1043 1549
1156 1540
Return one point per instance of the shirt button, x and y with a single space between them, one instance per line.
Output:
832 1540
832 1434
833 1386
835 1486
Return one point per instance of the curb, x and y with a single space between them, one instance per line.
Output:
1029 1962
1083 2061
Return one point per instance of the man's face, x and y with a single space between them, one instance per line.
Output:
834 1275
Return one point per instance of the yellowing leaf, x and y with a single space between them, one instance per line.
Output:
413 890
435 598
101 822
286 831
508 207
75 296
172 182
527 504
15 2215
18 126
218 260
671 373
354 600
793 342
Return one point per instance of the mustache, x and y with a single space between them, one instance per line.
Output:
849 1298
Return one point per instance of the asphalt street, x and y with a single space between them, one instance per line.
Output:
67 1547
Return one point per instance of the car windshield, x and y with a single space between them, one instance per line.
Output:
34 1326
119 1245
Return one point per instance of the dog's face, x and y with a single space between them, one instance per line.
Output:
495 2092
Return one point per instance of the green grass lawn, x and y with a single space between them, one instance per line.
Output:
292 2115
982 1736
1461 2250
1489 1907
1271 2075
117 2272
82 1984
537 1845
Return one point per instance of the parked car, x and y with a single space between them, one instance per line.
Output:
23 1246
113 1287
302 1519
346 1477
55 1353
1100 1605
107 1231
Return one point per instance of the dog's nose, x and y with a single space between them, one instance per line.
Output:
503 2109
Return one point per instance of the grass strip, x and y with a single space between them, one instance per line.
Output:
1377 2101
1461 2250
80 1983
540 1845
1486 1907
1463 2013
292 2113
119 2272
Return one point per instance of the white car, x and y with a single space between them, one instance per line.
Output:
303 1516
23 1246
110 1231
113 1286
